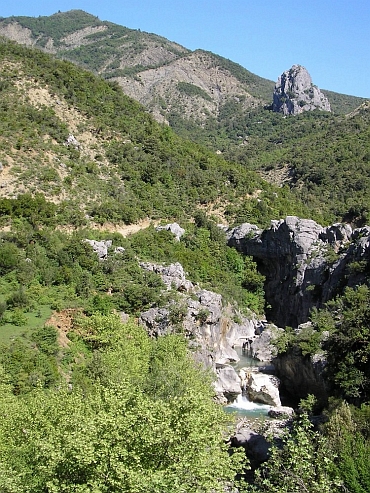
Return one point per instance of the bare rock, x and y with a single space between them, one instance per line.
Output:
211 327
304 264
72 142
100 247
261 346
174 228
263 388
302 375
281 412
173 275
295 93
228 382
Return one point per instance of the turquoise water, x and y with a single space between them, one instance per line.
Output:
242 406
245 360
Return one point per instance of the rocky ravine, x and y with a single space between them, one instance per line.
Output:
212 328
304 263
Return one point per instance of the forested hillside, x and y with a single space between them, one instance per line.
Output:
90 402
199 93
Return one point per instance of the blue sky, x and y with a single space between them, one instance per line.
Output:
331 38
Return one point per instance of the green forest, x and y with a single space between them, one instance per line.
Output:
91 403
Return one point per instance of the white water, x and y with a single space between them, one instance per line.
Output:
243 403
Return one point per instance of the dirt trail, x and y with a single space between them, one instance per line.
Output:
126 230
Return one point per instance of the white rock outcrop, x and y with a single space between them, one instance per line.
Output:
295 93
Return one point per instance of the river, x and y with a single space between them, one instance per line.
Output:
242 406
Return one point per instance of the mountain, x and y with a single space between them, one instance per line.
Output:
170 80
95 152
218 104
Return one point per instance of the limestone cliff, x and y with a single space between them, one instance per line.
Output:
305 264
295 93
211 327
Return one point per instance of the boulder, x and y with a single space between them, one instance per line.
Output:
173 275
256 446
281 412
228 382
100 247
263 389
174 228
72 142
261 346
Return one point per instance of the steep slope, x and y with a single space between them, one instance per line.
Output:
87 147
121 53
323 158
152 69
221 105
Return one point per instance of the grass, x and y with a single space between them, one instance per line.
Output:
33 319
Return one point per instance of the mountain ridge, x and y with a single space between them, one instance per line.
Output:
75 35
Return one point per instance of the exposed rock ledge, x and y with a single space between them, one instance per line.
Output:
304 263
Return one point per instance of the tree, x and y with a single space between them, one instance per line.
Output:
301 463
349 447
348 345
128 431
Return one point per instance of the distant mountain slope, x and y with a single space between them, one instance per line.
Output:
166 77
95 152
318 158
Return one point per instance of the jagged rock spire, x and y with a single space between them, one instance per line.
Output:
294 93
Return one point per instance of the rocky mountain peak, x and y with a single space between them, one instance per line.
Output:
295 93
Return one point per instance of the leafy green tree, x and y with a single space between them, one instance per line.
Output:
348 344
301 463
118 435
350 448
9 257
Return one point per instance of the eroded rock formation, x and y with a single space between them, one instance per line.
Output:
305 264
209 326
294 93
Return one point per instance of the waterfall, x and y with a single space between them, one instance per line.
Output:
244 404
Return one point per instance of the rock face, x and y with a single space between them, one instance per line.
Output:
301 376
294 93
209 326
261 347
263 389
305 264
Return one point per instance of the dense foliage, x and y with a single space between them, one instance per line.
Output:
135 168
123 426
